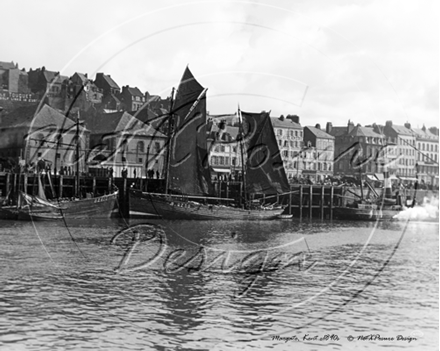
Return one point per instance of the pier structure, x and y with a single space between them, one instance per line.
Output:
303 201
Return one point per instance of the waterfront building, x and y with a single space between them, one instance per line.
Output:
404 140
427 155
362 150
318 153
224 150
120 141
289 135
29 135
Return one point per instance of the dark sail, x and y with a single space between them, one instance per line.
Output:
264 167
189 169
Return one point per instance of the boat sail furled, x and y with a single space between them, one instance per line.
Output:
188 184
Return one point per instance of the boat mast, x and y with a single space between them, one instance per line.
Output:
77 157
169 142
243 166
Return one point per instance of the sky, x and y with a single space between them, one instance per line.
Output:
326 61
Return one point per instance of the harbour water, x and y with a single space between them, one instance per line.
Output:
162 285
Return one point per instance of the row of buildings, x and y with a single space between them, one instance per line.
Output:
20 87
124 128
316 153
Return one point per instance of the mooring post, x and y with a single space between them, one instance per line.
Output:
25 182
310 201
8 183
109 185
300 201
290 202
331 202
60 186
94 186
322 202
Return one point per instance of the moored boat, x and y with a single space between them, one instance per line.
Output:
35 208
188 180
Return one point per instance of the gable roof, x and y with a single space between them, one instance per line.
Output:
118 122
319 133
7 65
402 130
338 131
424 134
365 132
111 83
135 91
27 116
81 76
286 123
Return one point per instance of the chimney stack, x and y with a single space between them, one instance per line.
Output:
328 128
350 126
293 118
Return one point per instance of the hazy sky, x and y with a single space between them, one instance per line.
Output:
368 61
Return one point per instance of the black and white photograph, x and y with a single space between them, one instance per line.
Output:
219 175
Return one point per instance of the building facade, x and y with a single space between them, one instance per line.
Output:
224 151
318 152
28 135
289 135
132 98
120 141
362 150
427 156
404 141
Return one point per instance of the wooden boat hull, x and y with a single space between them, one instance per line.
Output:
365 214
8 212
179 208
98 207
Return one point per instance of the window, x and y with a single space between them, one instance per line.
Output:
234 161
279 132
227 161
140 146
156 147
214 160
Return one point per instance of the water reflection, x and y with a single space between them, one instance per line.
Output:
60 281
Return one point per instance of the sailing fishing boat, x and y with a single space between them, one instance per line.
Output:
38 207
188 180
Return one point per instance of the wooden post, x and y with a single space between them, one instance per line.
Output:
290 202
227 189
241 194
310 201
109 185
60 187
300 201
8 183
331 203
343 198
94 186
322 202
25 183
